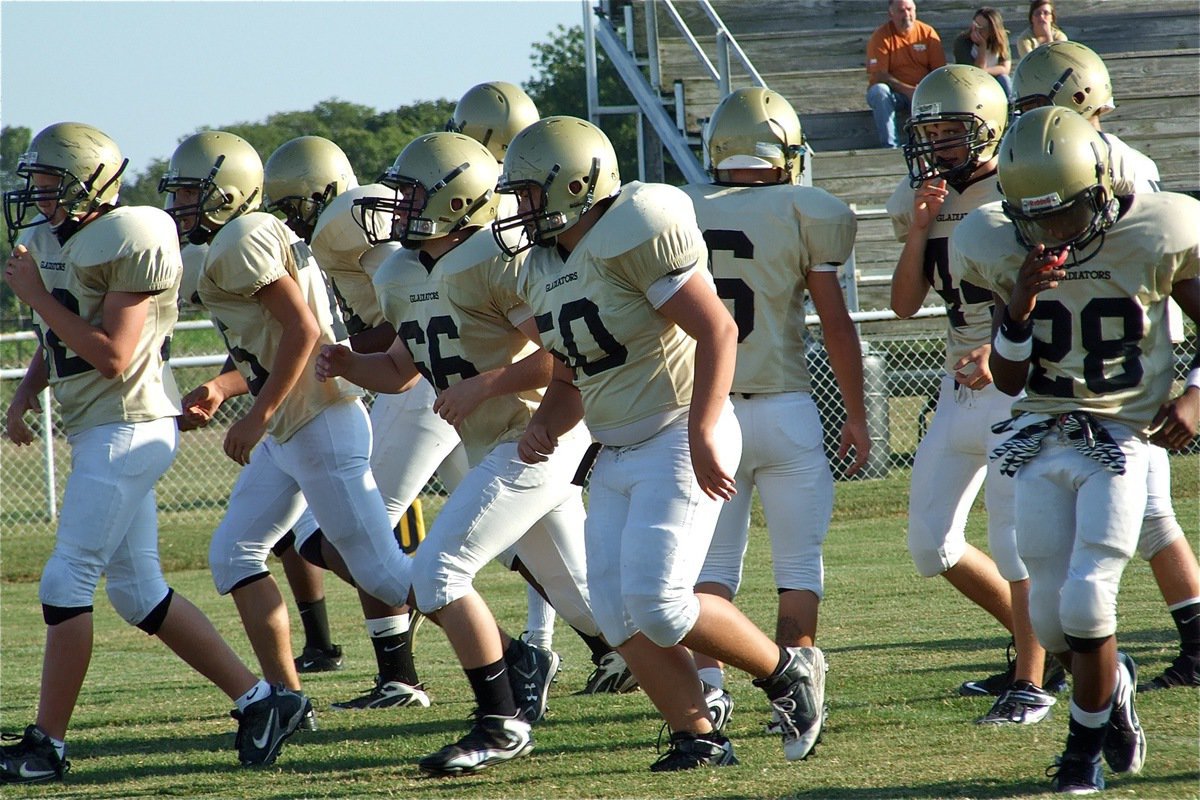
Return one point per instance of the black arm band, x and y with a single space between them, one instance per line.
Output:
1015 332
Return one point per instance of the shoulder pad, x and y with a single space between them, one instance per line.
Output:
232 233
372 259
336 229
641 212
814 203
120 233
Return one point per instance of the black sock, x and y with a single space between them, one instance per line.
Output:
598 646
493 694
1084 740
316 624
393 655
1187 622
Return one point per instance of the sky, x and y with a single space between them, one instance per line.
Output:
150 73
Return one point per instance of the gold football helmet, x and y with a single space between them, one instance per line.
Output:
301 177
1065 74
558 168
1056 177
87 163
227 173
755 128
443 182
492 114
956 93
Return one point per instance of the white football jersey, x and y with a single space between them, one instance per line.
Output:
968 307
1133 172
339 242
630 362
253 251
42 243
458 318
128 249
762 241
194 256
1100 340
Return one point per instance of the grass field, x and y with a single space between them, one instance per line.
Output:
897 645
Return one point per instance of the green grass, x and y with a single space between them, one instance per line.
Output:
897 645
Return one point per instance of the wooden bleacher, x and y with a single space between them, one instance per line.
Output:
812 51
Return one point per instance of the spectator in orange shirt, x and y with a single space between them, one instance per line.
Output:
900 53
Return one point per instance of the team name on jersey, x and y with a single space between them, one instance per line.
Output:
952 217
559 281
422 296
54 266
1088 275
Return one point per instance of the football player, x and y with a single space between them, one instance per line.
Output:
1080 293
310 182
492 114
450 295
104 325
959 115
644 351
1071 75
300 439
769 242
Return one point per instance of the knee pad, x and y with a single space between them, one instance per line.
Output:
1079 645
54 615
931 560
233 564
664 620
68 582
134 601
310 549
1157 533
281 547
154 620
1088 609
1003 547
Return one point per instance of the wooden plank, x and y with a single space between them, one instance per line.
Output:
766 16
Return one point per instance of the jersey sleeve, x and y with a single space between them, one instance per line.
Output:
827 226
674 249
263 257
899 210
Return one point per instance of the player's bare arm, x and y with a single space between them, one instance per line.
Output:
561 410
25 398
374 340
1039 271
700 313
108 347
909 284
283 301
845 357
390 372
201 404
455 403
1176 423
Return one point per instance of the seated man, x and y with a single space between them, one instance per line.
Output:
900 53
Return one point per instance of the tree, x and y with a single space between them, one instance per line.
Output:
560 87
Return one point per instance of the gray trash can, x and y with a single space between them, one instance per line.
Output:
829 403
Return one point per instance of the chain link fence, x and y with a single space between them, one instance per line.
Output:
902 363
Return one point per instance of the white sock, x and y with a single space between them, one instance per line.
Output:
60 746
1091 719
257 692
713 676
539 620
387 626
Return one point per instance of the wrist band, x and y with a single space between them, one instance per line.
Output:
1016 332
1009 350
1193 379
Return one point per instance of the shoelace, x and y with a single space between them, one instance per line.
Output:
786 707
